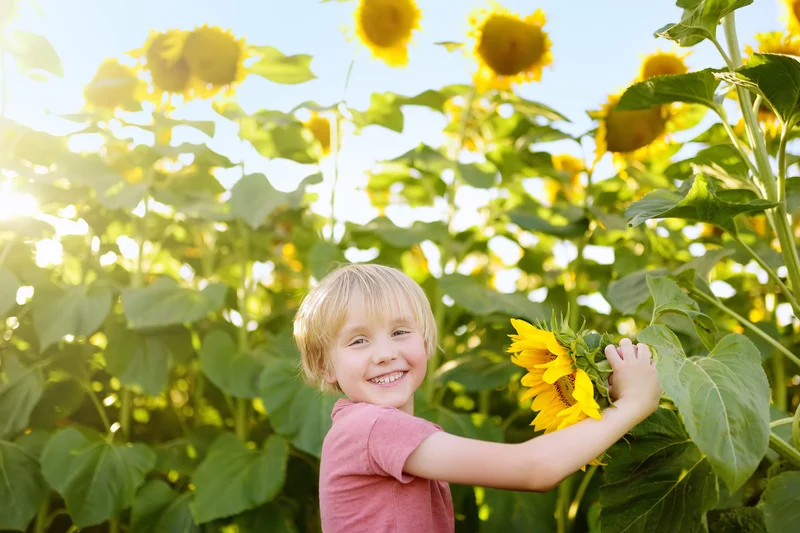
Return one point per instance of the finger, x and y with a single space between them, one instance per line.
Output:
613 356
628 351
619 351
643 351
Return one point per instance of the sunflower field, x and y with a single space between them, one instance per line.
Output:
148 377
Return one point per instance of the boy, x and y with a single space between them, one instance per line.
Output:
368 331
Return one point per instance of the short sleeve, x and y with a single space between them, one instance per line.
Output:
394 436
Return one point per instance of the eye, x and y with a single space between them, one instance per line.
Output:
401 332
357 341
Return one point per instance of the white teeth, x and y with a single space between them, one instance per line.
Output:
389 378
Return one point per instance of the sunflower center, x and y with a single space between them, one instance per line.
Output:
796 9
510 46
387 23
631 130
564 387
212 55
663 65
168 76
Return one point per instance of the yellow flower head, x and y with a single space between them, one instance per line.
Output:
563 394
113 86
662 64
386 27
572 167
321 128
508 49
791 15
170 72
215 57
633 133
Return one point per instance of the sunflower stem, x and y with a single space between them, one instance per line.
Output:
335 156
771 273
563 502
576 501
101 412
796 428
785 236
242 407
784 449
737 143
41 516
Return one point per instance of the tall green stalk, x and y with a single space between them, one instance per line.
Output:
241 419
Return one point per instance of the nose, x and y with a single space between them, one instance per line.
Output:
384 353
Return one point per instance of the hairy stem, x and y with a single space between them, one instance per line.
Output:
790 254
782 448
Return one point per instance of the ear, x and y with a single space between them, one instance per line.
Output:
329 375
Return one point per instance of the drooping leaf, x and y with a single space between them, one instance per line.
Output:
97 479
691 88
22 487
78 311
323 257
531 221
776 77
401 237
384 110
298 412
234 478
703 202
477 371
165 303
723 398
657 480
279 68
631 291
20 391
669 298
32 52
700 20
9 285
159 508
138 360
480 176
253 198
235 373
277 135
780 503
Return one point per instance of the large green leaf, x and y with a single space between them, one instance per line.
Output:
278 516
628 293
22 487
140 360
781 503
78 311
279 68
253 198
234 478
776 77
517 511
32 52
157 508
723 398
298 412
531 221
9 284
166 303
277 135
669 298
322 258
97 479
703 202
738 520
691 88
480 300
483 176
657 480
477 371
384 110
700 20
401 237
234 372
20 391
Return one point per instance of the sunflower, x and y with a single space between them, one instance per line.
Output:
386 27
113 86
630 134
563 394
169 71
571 167
321 128
215 57
662 64
508 49
791 15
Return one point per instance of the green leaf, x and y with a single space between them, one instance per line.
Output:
450 46
20 391
253 198
435 99
476 175
9 284
480 300
78 311
776 77
384 110
738 519
234 478
159 508
277 135
628 293
97 479
298 412
278 516
235 373
323 257
477 371
401 237
691 88
780 503
22 487
518 511
700 20
165 303
702 203
531 109
669 298
526 219
161 121
657 480
33 52
723 398
279 68
138 360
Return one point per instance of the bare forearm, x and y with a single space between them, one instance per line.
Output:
571 448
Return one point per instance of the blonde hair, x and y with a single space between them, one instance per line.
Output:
322 313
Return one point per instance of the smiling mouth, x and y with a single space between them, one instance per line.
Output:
387 379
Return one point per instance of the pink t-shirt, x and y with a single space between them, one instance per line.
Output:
362 486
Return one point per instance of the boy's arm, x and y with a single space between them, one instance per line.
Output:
543 462
536 465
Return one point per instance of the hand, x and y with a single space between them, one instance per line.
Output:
633 382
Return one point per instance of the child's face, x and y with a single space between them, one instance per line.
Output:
393 351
